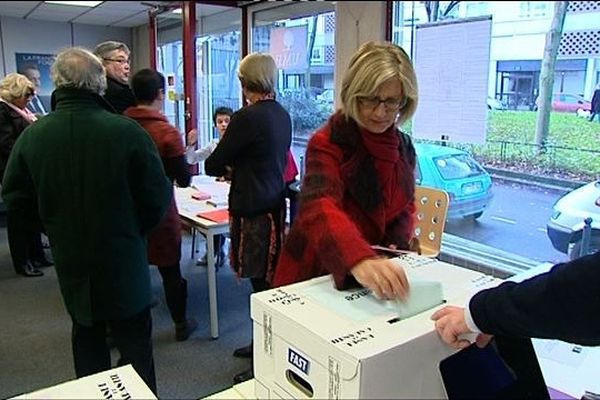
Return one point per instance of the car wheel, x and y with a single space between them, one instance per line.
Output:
576 250
474 216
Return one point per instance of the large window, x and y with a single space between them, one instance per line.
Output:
301 39
519 221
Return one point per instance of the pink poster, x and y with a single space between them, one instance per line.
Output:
288 47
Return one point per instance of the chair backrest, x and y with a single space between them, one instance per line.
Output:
432 207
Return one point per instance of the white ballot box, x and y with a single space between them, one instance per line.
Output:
313 341
118 383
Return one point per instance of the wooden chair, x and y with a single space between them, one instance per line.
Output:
432 207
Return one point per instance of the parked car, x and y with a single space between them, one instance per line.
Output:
326 97
566 223
566 102
467 183
495 104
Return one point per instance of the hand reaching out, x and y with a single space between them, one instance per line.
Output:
192 137
384 277
450 324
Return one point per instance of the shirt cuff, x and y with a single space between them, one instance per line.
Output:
469 321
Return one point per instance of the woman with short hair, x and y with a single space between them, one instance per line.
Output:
26 249
359 185
254 152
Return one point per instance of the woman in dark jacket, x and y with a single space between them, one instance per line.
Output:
254 150
164 241
25 242
358 189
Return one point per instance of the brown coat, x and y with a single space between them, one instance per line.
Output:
164 242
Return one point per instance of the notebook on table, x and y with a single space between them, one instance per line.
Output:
219 215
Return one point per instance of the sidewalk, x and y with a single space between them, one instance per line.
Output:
562 185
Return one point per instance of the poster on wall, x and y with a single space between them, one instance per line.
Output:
288 48
452 62
36 67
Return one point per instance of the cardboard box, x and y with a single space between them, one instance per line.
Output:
118 383
312 341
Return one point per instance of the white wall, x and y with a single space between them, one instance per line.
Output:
28 36
349 35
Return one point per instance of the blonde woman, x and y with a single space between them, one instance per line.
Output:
255 151
26 247
359 185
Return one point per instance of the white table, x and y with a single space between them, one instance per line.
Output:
188 211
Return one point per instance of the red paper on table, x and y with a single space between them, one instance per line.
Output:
198 195
220 215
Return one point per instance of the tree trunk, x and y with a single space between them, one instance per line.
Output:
544 102
435 6
309 51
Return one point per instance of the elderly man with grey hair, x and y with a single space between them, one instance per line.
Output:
95 181
115 58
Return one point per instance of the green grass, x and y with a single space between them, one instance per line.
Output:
573 149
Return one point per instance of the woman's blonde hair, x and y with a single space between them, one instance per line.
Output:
258 73
372 65
15 86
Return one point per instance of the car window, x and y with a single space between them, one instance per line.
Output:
457 166
569 98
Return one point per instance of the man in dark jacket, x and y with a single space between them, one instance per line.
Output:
596 104
96 182
561 304
115 58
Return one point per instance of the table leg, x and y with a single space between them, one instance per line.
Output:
212 285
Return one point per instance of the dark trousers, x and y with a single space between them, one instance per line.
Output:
175 287
132 337
25 243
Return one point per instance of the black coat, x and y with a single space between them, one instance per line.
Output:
561 304
119 95
255 145
11 126
596 101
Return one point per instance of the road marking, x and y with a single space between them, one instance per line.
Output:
506 220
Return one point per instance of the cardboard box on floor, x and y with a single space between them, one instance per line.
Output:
118 383
312 341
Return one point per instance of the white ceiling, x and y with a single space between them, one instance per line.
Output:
126 14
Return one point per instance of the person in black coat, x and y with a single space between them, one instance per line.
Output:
561 304
254 151
115 58
595 104
24 241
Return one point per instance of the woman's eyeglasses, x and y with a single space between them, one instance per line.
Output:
390 104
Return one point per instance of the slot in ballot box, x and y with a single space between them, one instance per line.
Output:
313 341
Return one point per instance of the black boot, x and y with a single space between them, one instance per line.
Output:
244 352
176 296
243 376
28 270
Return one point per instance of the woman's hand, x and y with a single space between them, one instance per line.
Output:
192 137
384 277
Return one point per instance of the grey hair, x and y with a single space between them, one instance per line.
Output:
258 73
105 49
79 68
15 86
